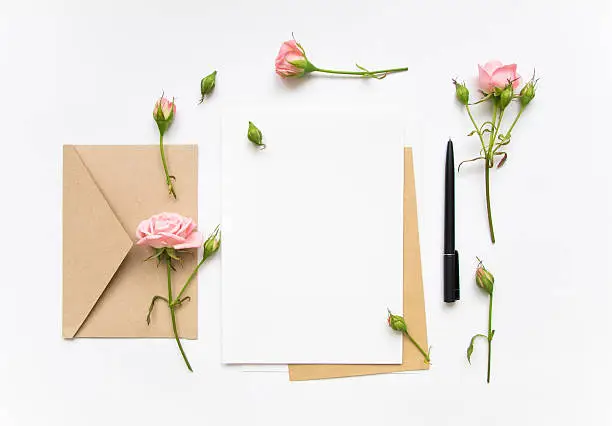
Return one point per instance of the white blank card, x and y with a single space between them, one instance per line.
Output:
312 237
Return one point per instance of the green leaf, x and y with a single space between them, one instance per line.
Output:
470 348
469 161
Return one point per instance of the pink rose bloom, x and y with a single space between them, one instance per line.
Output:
496 75
169 230
291 60
164 109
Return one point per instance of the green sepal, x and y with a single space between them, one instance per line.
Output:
470 348
172 253
162 125
309 67
156 255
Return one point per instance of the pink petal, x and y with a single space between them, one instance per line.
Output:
196 239
289 46
492 65
150 240
503 75
187 226
171 240
484 80
143 229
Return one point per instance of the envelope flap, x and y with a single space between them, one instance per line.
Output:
94 243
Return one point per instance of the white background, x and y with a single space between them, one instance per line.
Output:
84 72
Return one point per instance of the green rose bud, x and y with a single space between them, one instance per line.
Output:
396 322
212 243
207 85
484 279
255 136
163 113
505 96
528 92
462 92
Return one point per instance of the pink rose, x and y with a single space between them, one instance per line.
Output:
169 230
164 109
496 75
291 60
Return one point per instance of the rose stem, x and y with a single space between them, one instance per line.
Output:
172 314
490 336
489 160
163 157
488 195
418 347
388 71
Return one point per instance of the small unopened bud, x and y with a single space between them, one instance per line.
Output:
396 322
163 113
255 136
212 243
528 92
207 85
462 92
484 279
505 96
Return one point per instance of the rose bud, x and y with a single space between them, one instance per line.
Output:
163 113
212 243
528 92
255 136
484 279
505 97
207 85
462 92
291 60
396 322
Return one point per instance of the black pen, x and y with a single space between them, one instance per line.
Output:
451 256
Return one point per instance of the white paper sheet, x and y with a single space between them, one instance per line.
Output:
312 236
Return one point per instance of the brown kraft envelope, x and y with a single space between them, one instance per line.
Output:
107 285
414 302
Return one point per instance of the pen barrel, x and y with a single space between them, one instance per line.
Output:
449 201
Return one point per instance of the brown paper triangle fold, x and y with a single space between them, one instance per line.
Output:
94 246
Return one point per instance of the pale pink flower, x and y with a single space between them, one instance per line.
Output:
496 75
169 230
291 60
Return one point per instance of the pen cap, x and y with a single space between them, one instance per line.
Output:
451 277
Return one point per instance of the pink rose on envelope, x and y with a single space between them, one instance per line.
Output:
496 75
169 230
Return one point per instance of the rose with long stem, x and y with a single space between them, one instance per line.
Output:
169 234
497 83
163 114
485 281
291 61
